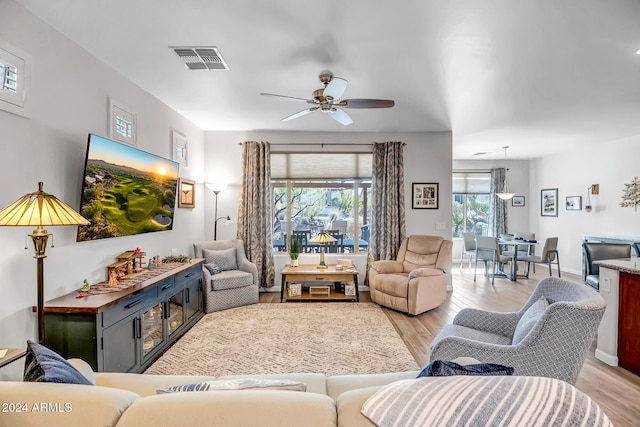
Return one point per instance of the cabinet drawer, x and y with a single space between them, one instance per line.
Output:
188 274
124 309
166 286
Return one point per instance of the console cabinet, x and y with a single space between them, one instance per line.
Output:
126 331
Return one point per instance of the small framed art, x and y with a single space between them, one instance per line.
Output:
179 147
574 203
424 195
186 193
517 201
549 202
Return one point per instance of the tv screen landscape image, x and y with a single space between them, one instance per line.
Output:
125 191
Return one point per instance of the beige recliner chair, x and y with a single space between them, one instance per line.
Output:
417 281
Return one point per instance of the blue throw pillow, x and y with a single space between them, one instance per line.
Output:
45 365
212 268
446 368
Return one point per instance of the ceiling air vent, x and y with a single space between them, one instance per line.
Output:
201 58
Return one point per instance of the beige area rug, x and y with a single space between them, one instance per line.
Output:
327 338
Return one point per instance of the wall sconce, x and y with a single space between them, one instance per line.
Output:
592 189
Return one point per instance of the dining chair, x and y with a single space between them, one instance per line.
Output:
488 250
302 236
468 247
335 247
548 256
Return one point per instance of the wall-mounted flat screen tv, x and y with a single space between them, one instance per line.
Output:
125 191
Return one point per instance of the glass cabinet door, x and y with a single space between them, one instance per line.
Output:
152 333
175 311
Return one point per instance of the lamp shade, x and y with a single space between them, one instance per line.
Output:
216 187
323 237
39 209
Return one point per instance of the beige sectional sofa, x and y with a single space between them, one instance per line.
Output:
130 400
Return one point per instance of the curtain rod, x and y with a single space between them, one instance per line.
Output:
321 144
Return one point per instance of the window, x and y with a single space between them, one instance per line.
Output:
471 199
14 80
8 78
313 192
122 123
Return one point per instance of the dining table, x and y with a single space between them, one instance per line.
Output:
517 244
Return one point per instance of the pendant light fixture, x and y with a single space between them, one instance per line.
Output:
505 195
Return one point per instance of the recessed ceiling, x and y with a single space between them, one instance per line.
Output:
541 76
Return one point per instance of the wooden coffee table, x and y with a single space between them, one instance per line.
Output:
311 273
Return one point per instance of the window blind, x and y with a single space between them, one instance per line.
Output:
320 165
471 182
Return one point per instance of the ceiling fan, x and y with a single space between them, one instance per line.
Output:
329 100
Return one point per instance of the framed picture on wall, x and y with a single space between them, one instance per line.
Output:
424 195
549 202
123 124
574 203
186 193
517 201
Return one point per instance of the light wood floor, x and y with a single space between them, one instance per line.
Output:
616 390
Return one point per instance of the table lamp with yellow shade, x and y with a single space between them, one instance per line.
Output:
322 238
40 209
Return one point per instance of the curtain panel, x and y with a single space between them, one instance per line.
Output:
254 209
498 221
387 201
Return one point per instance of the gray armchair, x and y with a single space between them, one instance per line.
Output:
554 345
237 282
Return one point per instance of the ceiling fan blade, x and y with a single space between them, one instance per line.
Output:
292 98
299 114
335 89
367 103
340 116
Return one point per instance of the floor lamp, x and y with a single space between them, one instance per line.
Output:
39 209
217 188
322 238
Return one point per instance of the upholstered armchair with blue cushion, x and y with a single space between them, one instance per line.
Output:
230 279
549 336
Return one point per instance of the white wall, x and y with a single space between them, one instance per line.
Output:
69 95
610 164
427 158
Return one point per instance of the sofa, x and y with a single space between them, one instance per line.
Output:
130 400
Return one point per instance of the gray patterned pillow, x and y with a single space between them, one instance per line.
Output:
529 319
483 401
225 259
239 384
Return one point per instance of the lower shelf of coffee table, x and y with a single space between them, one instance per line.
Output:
306 296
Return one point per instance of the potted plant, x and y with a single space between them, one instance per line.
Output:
294 252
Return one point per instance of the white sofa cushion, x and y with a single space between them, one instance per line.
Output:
247 408
143 384
65 405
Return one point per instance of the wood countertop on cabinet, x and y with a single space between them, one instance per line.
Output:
70 303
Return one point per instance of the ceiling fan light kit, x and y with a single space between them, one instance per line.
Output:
328 99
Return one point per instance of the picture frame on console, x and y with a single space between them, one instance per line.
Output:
549 202
187 193
424 195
